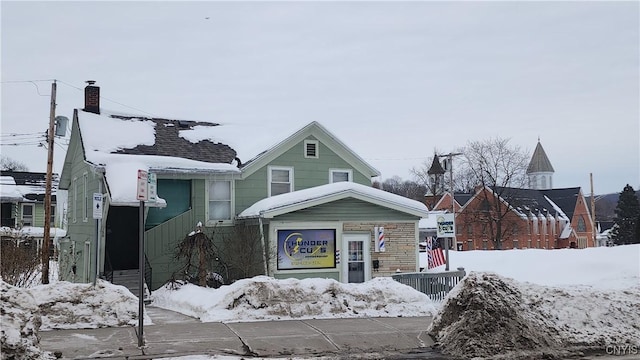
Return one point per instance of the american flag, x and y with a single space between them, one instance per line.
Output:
435 257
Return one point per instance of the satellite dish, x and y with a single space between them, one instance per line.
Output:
61 125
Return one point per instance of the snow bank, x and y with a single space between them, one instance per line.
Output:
491 316
264 298
20 323
66 305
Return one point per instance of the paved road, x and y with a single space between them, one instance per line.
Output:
174 335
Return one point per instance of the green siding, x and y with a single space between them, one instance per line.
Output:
160 245
346 210
80 231
306 173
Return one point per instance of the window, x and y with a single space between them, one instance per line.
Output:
337 175
582 227
311 149
470 244
515 244
220 200
27 214
469 229
52 219
280 180
529 243
485 245
74 200
85 203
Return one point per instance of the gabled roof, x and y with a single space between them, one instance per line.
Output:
25 185
528 202
324 136
306 198
566 199
120 145
539 161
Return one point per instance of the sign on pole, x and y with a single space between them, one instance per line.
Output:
142 185
152 185
446 227
97 206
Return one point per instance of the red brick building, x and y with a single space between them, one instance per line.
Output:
507 218
543 219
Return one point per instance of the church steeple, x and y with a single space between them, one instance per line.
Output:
540 171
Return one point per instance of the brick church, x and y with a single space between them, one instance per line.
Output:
538 217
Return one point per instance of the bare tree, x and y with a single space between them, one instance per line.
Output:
196 250
242 251
463 179
407 188
8 164
500 169
20 261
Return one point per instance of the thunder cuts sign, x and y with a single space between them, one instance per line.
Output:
306 249
446 227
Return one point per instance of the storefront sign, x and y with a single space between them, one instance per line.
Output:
306 249
446 227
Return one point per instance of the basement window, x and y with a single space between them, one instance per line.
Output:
311 149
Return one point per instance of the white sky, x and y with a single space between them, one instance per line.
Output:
392 80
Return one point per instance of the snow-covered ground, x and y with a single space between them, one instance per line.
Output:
553 299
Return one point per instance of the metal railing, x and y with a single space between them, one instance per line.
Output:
434 285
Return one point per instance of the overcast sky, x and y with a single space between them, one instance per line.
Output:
393 80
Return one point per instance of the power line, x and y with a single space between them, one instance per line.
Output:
111 100
30 81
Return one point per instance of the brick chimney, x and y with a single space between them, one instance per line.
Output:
92 97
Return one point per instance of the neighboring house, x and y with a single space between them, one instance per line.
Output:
543 219
310 195
539 217
22 196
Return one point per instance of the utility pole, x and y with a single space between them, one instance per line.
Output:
47 192
593 213
450 156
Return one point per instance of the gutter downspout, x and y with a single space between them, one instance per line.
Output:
264 249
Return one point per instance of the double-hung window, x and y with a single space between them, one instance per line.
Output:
280 180
27 214
337 175
220 200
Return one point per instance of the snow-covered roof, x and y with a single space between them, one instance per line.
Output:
12 190
108 142
301 199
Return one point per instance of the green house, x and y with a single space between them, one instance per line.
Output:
22 198
303 207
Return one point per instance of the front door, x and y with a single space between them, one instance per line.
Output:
356 268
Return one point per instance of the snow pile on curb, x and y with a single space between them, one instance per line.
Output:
20 323
66 305
491 316
264 298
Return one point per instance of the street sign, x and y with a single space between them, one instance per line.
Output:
142 185
152 185
97 206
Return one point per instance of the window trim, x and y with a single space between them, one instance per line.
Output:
33 215
336 170
85 194
309 142
74 205
269 175
212 222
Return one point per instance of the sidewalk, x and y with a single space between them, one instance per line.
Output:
174 335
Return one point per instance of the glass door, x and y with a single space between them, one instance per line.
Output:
357 251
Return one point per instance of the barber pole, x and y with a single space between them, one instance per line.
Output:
380 241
